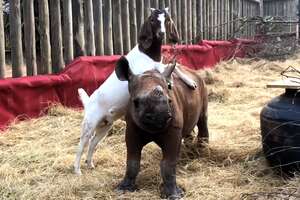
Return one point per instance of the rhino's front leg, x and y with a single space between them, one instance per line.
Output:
170 189
170 148
128 183
134 146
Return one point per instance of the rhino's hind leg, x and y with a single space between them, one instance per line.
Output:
203 135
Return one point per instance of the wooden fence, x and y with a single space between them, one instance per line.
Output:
288 9
65 29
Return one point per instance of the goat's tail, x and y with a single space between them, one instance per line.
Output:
83 96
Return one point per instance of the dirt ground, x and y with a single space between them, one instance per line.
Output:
36 156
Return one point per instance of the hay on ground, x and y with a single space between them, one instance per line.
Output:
36 156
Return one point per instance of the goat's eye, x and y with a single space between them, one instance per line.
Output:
136 102
169 100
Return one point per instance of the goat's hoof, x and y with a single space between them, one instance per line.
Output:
193 85
90 165
78 172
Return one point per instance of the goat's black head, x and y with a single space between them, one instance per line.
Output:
154 28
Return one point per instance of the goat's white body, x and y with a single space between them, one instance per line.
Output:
113 95
108 103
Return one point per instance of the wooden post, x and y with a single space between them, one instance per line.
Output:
98 26
215 16
167 3
146 8
133 23
16 38
240 12
89 28
209 19
68 31
107 27
29 32
297 32
218 20
261 8
204 24
155 4
194 17
117 27
2 43
56 37
174 11
126 26
139 13
78 28
179 29
45 47
199 13
184 21
189 16
225 18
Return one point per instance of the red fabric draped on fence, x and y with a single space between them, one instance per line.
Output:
28 97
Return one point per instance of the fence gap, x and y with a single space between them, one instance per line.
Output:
78 28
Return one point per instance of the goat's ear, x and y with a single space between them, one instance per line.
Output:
146 35
167 9
152 10
122 69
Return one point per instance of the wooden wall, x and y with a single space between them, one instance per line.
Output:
66 29
283 10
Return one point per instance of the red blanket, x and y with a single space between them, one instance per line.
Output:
27 97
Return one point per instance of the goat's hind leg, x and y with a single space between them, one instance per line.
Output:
186 79
87 131
100 133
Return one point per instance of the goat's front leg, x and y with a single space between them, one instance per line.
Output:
185 78
100 133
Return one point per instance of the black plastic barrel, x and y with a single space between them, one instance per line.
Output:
280 129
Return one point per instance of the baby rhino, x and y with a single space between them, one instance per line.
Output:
164 110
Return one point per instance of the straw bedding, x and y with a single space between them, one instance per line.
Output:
36 156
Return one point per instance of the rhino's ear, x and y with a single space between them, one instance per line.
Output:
168 70
122 69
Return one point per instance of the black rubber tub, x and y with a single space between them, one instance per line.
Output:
280 129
